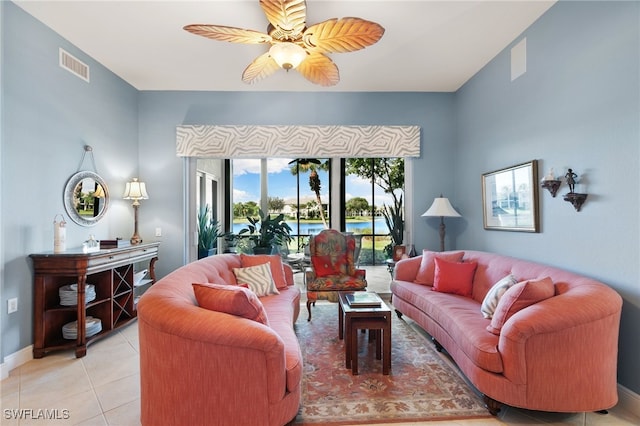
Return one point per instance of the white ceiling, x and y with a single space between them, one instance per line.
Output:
428 46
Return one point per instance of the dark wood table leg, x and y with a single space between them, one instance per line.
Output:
354 350
386 341
348 350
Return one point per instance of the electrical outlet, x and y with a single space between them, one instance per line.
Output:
12 305
158 232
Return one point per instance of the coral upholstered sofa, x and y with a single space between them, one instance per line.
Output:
225 358
557 354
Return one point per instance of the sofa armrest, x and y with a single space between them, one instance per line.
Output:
228 350
543 343
407 269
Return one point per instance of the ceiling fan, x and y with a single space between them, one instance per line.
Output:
293 44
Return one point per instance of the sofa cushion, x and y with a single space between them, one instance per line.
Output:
490 301
230 299
518 297
258 277
427 268
454 277
459 318
275 262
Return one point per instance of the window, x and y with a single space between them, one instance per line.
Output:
373 201
279 185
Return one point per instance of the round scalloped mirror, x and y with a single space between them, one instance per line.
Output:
86 198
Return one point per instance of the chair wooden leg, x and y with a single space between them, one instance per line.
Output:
309 302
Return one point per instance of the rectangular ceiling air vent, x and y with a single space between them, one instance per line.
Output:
74 65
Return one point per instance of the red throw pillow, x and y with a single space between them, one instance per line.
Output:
427 265
519 296
230 299
322 266
454 277
275 261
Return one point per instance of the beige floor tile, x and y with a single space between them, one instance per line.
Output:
44 388
72 409
130 333
116 353
114 394
125 415
11 402
11 384
616 417
94 421
119 368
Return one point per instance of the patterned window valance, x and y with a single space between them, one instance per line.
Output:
297 141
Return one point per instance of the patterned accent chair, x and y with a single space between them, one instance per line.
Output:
332 267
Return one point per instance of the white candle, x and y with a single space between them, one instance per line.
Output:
59 235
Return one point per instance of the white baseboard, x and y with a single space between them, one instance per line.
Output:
628 400
14 360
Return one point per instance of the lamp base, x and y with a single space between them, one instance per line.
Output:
135 239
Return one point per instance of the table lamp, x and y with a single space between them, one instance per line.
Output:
441 207
135 191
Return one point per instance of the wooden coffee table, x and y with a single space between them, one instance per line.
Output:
375 319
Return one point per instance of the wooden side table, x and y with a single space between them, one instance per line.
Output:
112 274
380 328
347 314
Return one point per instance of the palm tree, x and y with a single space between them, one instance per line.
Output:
311 165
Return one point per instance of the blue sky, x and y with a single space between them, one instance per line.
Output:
282 184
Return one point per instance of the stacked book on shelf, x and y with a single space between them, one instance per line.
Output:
115 243
69 294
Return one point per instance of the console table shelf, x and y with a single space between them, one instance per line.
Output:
110 271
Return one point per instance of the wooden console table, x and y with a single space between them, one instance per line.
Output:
110 271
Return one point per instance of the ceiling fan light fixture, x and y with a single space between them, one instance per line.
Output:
287 55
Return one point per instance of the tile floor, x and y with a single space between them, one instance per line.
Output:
103 387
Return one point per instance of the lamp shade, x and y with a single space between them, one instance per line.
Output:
441 207
135 190
287 55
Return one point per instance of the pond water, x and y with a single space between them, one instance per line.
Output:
314 228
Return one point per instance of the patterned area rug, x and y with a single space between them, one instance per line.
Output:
421 386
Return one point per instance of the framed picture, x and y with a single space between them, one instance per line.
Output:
510 198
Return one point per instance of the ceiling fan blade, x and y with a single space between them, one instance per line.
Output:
342 35
261 67
319 69
288 18
231 34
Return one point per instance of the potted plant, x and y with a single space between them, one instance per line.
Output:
395 222
208 233
267 233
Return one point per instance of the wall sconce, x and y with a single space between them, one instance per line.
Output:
135 191
574 198
551 183
441 207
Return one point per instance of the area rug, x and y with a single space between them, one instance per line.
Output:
421 386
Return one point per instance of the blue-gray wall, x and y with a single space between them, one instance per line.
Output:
48 115
577 106
161 112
